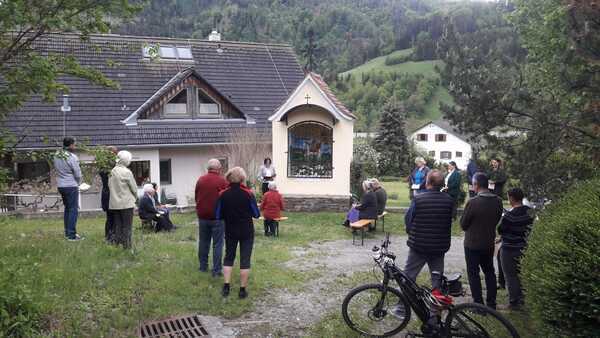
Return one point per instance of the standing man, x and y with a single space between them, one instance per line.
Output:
207 192
109 224
68 180
479 221
497 177
514 228
428 224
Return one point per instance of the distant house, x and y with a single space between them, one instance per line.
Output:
182 101
443 143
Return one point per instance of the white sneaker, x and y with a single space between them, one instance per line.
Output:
77 238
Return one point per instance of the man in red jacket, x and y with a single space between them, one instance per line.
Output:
271 207
208 188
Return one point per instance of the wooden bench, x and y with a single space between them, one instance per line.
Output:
361 224
277 220
382 217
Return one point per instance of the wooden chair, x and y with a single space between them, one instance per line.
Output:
361 225
277 220
382 217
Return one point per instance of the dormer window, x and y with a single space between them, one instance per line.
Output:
192 102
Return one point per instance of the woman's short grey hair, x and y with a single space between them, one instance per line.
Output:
272 185
419 160
124 157
236 175
214 164
148 188
366 185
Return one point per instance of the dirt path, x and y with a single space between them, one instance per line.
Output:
290 314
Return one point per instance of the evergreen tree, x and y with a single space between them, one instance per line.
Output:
391 141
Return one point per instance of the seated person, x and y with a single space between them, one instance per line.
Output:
148 211
367 209
381 195
271 207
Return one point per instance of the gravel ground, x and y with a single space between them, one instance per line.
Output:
290 314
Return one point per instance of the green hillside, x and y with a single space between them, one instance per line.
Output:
431 110
411 67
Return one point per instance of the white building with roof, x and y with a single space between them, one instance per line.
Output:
443 143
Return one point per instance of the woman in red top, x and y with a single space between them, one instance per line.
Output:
271 207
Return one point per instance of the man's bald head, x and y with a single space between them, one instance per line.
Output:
435 180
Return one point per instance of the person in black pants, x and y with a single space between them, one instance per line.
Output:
514 230
236 207
479 221
148 210
109 224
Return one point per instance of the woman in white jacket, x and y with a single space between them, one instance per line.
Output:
123 196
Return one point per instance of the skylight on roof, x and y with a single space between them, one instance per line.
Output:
168 52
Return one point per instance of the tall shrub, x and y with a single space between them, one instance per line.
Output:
561 267
391 142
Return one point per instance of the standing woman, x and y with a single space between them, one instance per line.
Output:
123 195
418 176
453 182
497 177
237 206
266 174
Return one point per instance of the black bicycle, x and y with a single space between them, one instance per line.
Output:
379 310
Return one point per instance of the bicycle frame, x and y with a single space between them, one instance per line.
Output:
409 289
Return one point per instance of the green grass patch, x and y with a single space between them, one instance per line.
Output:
92 289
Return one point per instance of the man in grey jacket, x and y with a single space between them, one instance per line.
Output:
479 220
68 179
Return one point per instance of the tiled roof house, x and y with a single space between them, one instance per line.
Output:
177 101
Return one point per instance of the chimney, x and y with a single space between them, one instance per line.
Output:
214 36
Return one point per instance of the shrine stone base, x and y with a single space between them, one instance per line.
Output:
315 203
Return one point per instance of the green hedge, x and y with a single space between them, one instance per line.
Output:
561 267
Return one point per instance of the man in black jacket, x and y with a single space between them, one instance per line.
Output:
148 211
479 220
428 224
514 230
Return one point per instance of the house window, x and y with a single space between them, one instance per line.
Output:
178 106
445 155
440 137
422 137
33 171
432 153
224 164
165 171
192 100
141 172
310 152
206 105
459 154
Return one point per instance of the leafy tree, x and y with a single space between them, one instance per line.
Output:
391 141
515 98
24 71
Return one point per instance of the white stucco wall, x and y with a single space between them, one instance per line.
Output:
339 185
187 165
452 144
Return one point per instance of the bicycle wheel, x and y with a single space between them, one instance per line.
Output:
472 320
368 311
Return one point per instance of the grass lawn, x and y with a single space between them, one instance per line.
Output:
397 192
411 67
90 289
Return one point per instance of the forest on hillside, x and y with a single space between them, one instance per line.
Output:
329 36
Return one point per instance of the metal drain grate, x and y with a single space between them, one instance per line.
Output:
174 327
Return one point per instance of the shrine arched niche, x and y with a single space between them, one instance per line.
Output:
310 150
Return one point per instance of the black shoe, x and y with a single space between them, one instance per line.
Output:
243 293
203 269
217 274
501 286
492 306
225 291
346 223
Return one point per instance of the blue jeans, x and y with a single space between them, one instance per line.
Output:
70 198
211 230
